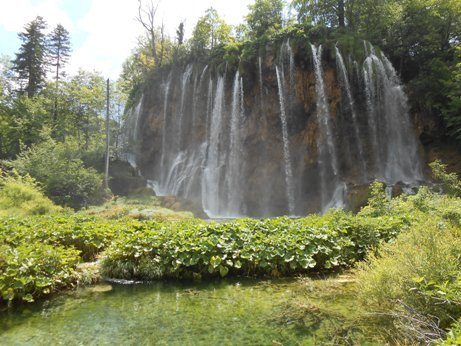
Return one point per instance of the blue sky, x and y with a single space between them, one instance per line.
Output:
103 32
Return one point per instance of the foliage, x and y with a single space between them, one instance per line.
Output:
69 182
141 208
412 284
21 196
88 234
275 247
30 62
33 270
451 108
59 49
265 17
450 182
210 32
453 336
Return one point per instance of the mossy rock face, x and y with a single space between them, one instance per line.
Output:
357 197
181 204
125 180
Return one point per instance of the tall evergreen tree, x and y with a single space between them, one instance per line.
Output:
59 52
180 33
30 62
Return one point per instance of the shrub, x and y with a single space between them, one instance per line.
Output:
22 196
280 246
450 182
31 271
87 234
65 179
414 283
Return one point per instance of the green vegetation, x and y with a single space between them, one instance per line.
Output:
275 247
406 251
52 129
31 271
69 182
21 196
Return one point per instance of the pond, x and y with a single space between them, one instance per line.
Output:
224 312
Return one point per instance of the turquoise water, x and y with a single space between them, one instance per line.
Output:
233 312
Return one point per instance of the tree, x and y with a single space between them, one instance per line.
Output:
30 62
146 16
59 53
264 16
331 13
209 32
86 95
180 34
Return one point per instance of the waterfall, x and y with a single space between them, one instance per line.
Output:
196 96
370 92
185 78
234 175
132 133
393 141
300 139
209 106
286 147
325 145
213 165
164 125
358 138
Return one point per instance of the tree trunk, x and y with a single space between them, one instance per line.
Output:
340 12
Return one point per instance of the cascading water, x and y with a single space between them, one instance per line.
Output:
234 170
213 167
325 141
185 78
396 151
304 140
164 125
286 147
358 138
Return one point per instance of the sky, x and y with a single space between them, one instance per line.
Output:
103 32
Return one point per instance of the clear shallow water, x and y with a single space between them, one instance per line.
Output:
234 312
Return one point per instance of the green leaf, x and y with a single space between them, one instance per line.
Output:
223 271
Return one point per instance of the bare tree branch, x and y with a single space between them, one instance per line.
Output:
146 16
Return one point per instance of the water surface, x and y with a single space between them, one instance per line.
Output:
226 312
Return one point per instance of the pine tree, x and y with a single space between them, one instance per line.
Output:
180 33
59 53
30 62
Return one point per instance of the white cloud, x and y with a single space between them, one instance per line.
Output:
111 34
14 14
110 27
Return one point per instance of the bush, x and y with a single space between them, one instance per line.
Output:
21 196
65 179
414 283
275 247
31 271
450 182
89 235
